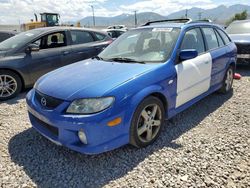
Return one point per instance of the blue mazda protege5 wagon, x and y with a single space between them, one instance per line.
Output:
123 96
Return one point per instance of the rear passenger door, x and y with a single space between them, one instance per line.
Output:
216 47
82 45
194 75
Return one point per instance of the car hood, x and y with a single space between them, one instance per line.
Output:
240 38
90 78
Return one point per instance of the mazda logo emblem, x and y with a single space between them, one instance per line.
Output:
43 101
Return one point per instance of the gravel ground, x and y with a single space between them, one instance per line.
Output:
205 146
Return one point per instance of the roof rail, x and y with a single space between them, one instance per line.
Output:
199 21
181 20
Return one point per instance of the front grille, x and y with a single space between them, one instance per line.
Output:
46 101
243 48
51 129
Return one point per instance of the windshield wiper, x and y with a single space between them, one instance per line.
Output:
125 59
97 57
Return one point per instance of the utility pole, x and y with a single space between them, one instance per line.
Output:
93 11
186 14
199 15
135 18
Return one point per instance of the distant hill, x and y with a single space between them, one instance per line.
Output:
123 19
219 14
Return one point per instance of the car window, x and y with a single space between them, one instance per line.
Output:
220 41
239 27
100 36
193 40
81 37
152 45
19 40
224 36
210 38
53 40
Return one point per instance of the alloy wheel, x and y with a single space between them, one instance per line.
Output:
149 123
229 79
8 85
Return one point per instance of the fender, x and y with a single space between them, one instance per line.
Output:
141 95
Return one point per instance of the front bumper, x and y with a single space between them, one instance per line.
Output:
62 129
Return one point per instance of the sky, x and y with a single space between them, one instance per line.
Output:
17 11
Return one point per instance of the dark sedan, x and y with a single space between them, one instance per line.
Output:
239 32
29 55
6 34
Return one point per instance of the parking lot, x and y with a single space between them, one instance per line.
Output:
204 146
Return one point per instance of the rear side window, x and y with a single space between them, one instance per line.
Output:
220 41
193 40
100 36
81 37
224 36
211 38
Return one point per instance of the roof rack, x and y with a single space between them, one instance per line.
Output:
181 20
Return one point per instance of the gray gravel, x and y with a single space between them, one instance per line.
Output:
205 146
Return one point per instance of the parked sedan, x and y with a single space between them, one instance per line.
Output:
29 55
239 32
147 75
6 34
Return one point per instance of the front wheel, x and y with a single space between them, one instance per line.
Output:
147 122
10 84
227 81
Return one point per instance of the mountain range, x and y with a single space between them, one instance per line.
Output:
219 14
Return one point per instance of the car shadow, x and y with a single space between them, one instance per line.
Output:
49 165
17 99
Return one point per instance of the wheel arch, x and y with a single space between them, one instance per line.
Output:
154 90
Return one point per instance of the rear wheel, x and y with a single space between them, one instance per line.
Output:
10 84
147 122
227 81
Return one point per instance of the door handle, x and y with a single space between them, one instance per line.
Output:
65 52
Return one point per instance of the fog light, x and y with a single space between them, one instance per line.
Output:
82 136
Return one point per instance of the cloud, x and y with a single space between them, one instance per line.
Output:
20 11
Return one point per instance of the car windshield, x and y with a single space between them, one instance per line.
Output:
238 28
142 45
19 40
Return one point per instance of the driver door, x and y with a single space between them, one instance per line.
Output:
50 55
194 75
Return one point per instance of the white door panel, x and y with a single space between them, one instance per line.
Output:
193 78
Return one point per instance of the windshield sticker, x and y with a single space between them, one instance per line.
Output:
162 29
29 34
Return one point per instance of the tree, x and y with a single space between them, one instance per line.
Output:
238 16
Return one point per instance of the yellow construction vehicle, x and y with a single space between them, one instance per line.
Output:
47 20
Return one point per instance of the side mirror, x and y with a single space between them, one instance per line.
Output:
188 54
32 48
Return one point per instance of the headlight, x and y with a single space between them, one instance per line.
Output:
90 106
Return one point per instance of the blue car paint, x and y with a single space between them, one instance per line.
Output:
129 83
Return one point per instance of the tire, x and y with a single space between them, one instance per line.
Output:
10 85
227 81
144 122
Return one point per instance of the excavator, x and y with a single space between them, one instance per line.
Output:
47 20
